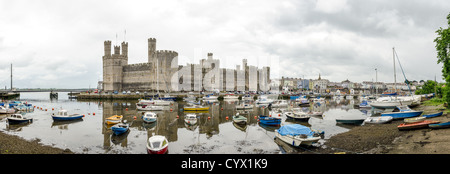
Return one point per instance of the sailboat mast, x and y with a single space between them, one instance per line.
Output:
395 76
11 78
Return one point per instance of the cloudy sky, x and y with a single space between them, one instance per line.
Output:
54 43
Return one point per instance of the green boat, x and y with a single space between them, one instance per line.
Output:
356 121
239 119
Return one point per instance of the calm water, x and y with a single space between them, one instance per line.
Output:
208 136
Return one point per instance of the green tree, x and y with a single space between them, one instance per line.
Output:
442 47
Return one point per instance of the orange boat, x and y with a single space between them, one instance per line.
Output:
416 125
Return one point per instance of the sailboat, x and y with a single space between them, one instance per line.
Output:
391 102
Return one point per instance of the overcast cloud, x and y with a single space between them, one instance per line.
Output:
60 43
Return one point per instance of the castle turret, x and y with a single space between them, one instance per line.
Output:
107 48
117 50
125 49
151 49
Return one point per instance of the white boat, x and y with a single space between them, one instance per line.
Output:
149 117
390 103
157 144
145 107
414 119
296 135
280 103
244 106
378 120
156 102
190 119
239 119
4 110
231 97
264 100
210 97
297 114
247 97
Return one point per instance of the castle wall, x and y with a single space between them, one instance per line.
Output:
138 77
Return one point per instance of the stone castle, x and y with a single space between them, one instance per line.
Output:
118 75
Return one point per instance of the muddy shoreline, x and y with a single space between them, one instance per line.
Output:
366 139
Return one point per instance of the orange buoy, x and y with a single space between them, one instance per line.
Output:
134 117
256 116
209 117
53 109
83 115
221 109
226 117
279 114
126 109
93 113
45 109
270 115
170 109
178 116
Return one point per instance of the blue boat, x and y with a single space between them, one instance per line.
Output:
433 115
404 112
63 116
18 119
272 121
439 125
120 128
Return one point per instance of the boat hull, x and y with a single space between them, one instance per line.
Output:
418 125
119 130
196 109
433 115
350 121
378 120
271 121
19 121
297 141
298 117
440 125
239 119
66 118
400 115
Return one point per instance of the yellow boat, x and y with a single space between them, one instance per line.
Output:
114 119
196 108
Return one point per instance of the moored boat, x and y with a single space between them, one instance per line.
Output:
417 125
404 112
190 119
62 115
272 121
356 121
149 117
244 106
157 144
433 115
120 128
194 107
239 119
114 119
18 118
4 110
378 120
296 135
300 116
440 125
414 119
148 107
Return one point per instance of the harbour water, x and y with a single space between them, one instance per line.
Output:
213 133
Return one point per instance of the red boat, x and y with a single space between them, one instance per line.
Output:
157 145
416 125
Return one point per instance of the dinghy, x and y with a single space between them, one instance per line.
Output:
414 119
114 119
120 128
378 120
190 119
157 144
272 121
404 112
239 119
417 125
62 115
149 117
440 125
433 115
296 135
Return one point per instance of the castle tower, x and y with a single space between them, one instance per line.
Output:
125 49
107 48
113 66
151 50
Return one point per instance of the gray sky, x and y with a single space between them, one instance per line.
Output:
54 43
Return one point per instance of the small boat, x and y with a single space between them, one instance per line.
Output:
296 135
17 119
364 104
264 100
4 110
417 125
194 107
404 112
231 97
149 117
120 128
280 104
239 119
414 119
272 121
210 97
244 106
157 145
356 121
440 125
378 120
190 119
62 115
148 107
300 116
114 119
433 115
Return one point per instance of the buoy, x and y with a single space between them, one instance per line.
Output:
209 117
126 109
270 115
83 115
93 113
170 109
221 109
45 109
178 116
256 116
279 114
53 109
226 117
134 117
